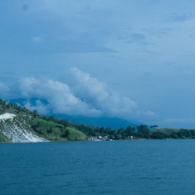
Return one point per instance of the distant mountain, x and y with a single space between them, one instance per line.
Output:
22 101
107 122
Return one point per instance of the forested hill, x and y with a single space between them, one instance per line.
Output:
27 126
18 124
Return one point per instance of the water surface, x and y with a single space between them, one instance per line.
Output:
118 167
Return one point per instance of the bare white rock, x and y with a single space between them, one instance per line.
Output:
7 116
17 133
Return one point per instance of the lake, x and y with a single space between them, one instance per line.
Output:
117 167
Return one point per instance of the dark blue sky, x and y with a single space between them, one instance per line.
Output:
132 59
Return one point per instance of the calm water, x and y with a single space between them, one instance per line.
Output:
123 167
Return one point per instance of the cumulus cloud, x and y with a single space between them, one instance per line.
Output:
99 95
42 108
89 86
85 95
59 96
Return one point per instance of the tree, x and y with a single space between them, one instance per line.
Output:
153 126
158 135
130 131
143 131
35 113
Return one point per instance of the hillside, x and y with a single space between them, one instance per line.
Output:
3 138
17 124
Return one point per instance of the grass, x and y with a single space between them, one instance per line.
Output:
56 132
74 134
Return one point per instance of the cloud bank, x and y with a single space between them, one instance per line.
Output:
85 96
97 93
58 95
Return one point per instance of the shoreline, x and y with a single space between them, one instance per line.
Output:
95 141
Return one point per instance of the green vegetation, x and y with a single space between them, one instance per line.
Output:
62 130
3 138
173 134
74 134
139 132
56 130
46 127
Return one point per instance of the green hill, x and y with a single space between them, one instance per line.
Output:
56 131
30 125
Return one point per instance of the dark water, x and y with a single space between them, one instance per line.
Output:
123 167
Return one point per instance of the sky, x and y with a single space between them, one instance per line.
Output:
132 59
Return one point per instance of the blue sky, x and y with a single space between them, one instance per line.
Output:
132 59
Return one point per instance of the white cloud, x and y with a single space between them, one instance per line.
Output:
86 96
98 94
58 95
42 108
87 85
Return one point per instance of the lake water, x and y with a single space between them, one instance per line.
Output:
118 167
